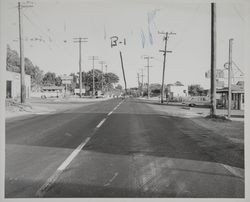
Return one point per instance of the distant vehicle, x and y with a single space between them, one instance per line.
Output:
197 101
77 91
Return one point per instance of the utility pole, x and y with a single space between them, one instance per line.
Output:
213 60
102 63
123 73
93 58
106 71
164 61
138 80
229 78
142 75
148 58
22 65
80 40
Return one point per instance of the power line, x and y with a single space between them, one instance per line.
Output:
50 37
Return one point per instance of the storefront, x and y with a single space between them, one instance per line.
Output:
13 85
238 99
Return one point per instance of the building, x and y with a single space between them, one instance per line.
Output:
238 99
13 85
176 91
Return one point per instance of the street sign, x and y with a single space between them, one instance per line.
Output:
218 74
77 90
66 79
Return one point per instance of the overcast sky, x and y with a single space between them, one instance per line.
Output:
57 22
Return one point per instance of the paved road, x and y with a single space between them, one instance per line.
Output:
116 148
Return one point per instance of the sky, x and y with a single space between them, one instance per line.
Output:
56 23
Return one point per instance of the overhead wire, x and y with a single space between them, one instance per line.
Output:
52 36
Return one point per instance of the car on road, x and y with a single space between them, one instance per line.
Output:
197 101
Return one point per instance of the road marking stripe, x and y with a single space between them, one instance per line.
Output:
111 180
48 184
102 121
110 113
233 171
51 180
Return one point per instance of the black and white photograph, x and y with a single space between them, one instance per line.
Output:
113 99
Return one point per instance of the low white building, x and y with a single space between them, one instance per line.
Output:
177 90
13 84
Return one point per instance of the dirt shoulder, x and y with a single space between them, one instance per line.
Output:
232 129
36 106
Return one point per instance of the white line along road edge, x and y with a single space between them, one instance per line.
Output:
51 180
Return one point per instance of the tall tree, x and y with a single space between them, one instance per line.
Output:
195 90
13 65
49 79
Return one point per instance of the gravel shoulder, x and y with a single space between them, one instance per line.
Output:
36 106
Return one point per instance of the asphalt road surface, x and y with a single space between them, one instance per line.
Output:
116 148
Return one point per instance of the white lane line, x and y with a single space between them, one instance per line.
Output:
51 180
110 113
114 108
47 185
102 121
234 171
111 180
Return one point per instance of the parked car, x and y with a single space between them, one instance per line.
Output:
197 101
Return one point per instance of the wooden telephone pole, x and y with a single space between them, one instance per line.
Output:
213 60
93 58
164 61
102 63
22 64
229 78
80 40
148 58
123 72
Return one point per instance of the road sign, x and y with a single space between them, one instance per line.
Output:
219 73
77 90
66 79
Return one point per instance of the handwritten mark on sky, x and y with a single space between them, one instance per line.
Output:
151 24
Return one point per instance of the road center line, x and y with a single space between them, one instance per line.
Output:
102 121
47 185
233 171
51 180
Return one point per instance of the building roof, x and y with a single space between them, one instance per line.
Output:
234 88
177 83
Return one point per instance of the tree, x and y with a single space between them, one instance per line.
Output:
108 79
195 90
58 81
13 65
12 60
119 87
49 79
